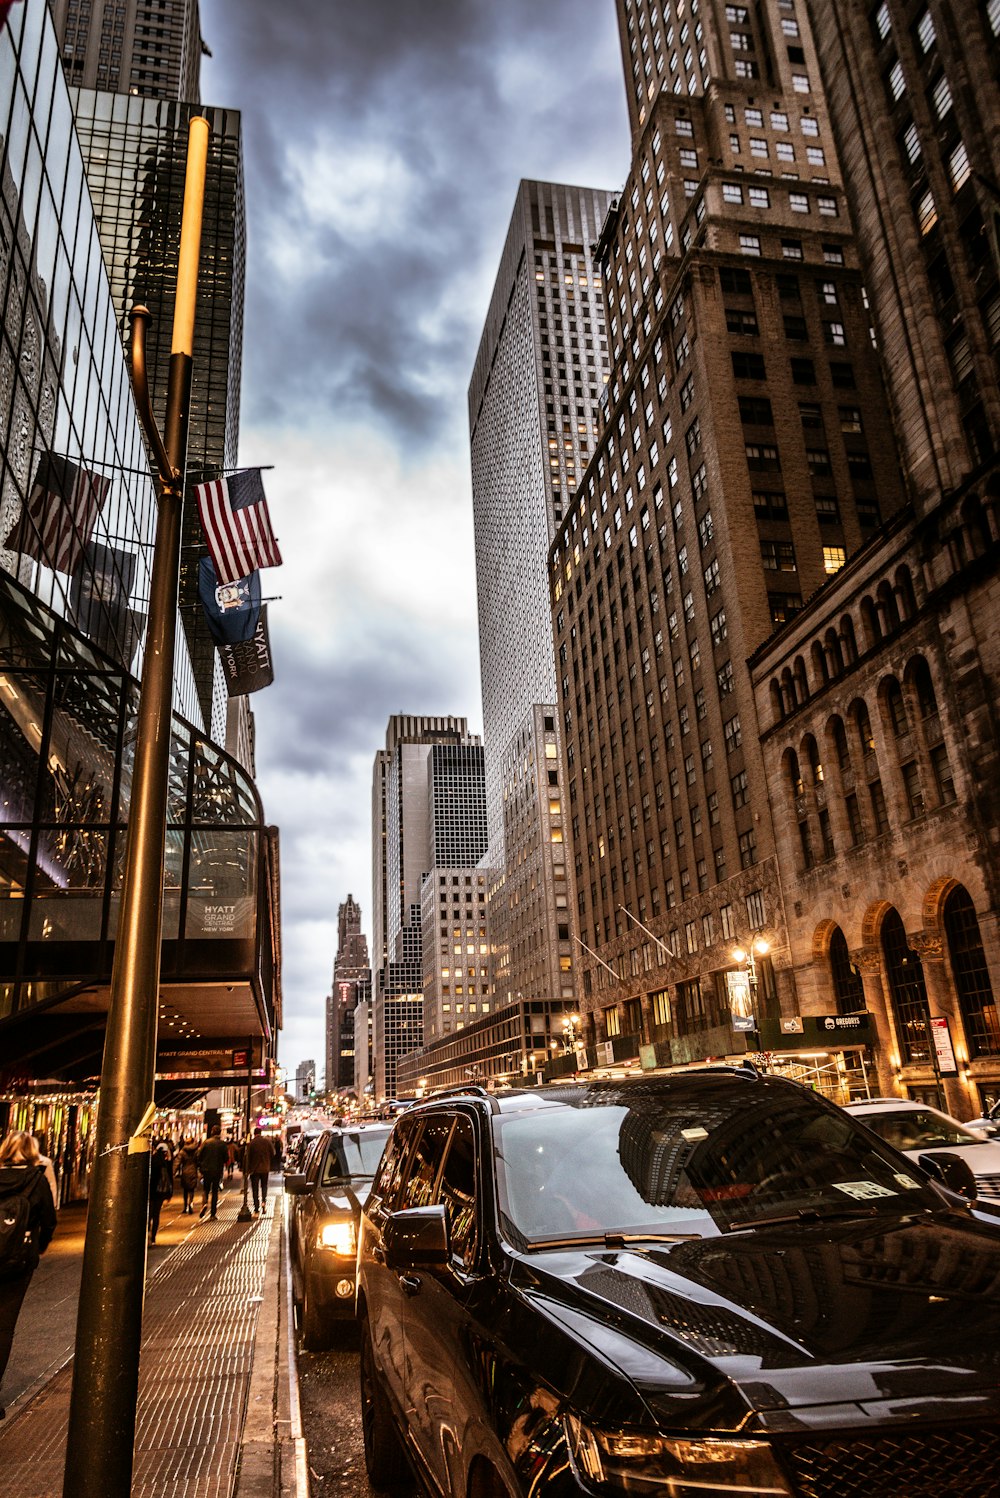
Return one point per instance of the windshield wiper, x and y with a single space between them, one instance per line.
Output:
609 1240
803 1214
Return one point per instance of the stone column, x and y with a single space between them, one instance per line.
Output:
868 961
960 1098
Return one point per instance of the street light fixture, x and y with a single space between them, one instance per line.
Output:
569 1029
747 956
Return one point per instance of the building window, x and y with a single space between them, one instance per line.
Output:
749 244
612 1021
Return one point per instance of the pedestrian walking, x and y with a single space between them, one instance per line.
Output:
27 1222
161 1185
231 1153
186 1167
258 1164
211 1163
278 1153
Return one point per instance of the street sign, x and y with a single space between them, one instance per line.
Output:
742 1024
943 1048
792 1025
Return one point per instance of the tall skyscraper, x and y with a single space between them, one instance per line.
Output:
533 403
349 968
428 813
148 47
745 452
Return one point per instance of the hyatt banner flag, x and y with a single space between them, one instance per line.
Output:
247 667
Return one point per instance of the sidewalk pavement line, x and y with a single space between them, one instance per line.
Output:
294 1483
266 1467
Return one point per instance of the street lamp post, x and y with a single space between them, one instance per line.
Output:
747 956
569 1025
101 1436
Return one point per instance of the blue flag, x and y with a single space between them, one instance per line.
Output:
232 609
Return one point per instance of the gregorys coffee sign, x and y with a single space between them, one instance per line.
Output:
809 1032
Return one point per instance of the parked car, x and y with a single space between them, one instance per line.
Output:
917 1128
987 1123
326 1202
704 1284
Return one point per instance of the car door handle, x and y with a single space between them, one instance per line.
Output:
410 1283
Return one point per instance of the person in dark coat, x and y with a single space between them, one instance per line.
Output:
161 1185
186 1166
211 1163
22 1173
258 1165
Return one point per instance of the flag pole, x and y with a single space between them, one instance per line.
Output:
99 1448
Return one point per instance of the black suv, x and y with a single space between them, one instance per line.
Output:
707 1284
326 1203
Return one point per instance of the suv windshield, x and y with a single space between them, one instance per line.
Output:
354 1154
688 1156
918 1128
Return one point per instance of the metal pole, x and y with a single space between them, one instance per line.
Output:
109 1319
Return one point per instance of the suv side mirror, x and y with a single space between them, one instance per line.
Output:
416 1238
950 1171
296 1184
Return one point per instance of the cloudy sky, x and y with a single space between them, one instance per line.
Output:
384 142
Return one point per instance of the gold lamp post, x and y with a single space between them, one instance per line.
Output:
747 957
109 1320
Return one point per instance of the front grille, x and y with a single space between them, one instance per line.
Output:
906 1463
988 1186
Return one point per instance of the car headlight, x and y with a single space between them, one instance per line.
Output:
339 1238
707 1467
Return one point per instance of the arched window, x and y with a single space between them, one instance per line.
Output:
801 680
848 642
869 618
907 991
834 652
848 989
895 708
863 723
972 976
794 773
820 668
904 593
918 674
777 709
812 755
887 604
840 745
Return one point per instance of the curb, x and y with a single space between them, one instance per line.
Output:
273 1462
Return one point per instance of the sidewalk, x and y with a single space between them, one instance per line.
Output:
218 1402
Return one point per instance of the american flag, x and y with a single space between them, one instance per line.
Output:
56 522
236 525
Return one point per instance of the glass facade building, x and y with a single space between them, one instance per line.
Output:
134 152
77 520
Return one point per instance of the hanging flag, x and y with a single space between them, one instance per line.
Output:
236 525
232 609
99 593
247 667
55 524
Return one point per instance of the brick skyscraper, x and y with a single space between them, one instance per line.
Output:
745 452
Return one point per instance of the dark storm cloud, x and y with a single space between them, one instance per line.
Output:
370 300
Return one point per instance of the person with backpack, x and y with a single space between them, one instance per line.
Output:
27 1222
187 1168
161 1185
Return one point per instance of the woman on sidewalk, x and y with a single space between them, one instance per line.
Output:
187 1166
161 1186
27 1222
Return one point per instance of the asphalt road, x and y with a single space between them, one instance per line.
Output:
331 1419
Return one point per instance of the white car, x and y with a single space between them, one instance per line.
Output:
918 1129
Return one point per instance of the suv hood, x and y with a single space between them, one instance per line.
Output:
794 1324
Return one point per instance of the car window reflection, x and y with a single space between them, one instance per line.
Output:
620 1160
